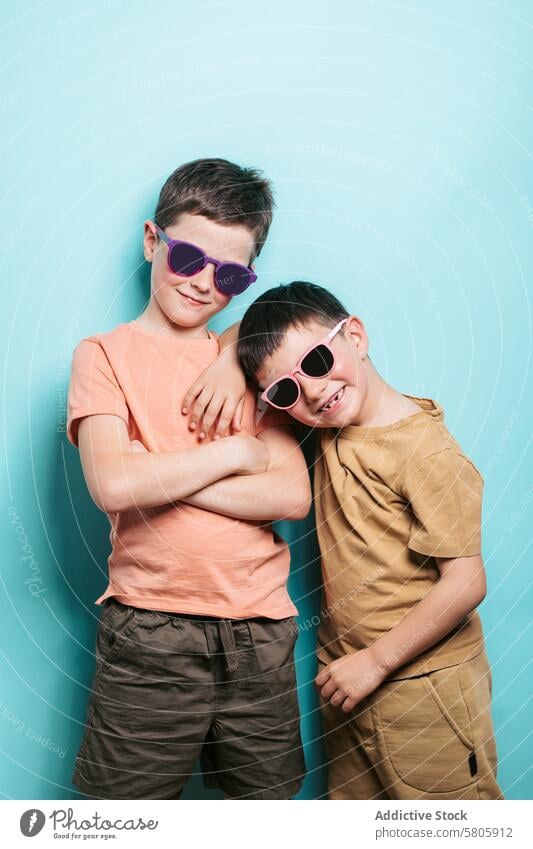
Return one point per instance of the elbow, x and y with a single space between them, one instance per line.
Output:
302 510
302 504
481 586
109 498
481 593
478 592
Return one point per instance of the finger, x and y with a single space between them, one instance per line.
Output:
322 677
337 698
199 406
328 690
192 392
237 415
225 418
212 411
348 704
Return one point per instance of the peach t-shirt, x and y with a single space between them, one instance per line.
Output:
176 557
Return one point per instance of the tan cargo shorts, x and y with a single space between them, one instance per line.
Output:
426 737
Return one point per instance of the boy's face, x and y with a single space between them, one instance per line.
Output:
348 379
191 301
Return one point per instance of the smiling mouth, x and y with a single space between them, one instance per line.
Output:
333 401
190 299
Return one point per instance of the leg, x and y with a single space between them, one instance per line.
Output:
476 686
434 737
350 772
150 708
254 750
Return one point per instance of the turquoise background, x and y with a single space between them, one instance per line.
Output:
398 139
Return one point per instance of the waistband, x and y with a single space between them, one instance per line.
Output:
225 629
200 617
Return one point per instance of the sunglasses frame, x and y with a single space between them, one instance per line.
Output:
298 370
170 243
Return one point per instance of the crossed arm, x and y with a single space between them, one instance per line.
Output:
283 491
263 478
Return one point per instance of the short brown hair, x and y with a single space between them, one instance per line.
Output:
265 322
221 191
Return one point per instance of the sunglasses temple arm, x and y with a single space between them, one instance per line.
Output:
162 234
335 330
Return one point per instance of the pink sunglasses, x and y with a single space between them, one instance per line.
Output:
318 361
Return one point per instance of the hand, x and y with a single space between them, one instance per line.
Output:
251 454
347 681
218 392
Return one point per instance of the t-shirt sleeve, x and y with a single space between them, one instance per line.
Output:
445 494
93 389
267 416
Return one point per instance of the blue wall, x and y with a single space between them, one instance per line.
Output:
398 139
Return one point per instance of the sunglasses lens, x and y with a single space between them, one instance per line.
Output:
186 260
232 279
284 393
318 362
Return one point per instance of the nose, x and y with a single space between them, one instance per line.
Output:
313 389
204 280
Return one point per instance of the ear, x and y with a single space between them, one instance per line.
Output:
150 240
355 332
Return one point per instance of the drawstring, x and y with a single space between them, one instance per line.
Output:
227 638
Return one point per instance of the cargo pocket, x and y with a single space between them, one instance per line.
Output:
425 732
117 624
271 660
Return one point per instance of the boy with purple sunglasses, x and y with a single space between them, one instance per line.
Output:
404 681
195 648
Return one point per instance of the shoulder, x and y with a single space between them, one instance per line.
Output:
443 467
419 437
89 347
105 337
426 441
102 341
428 447
98 351
432 441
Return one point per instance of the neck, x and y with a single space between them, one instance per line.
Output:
383 405
155 321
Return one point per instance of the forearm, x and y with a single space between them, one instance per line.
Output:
141 480
444 607
228 339
264 497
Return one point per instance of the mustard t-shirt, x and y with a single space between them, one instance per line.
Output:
388 500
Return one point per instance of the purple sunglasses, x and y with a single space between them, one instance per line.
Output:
187 259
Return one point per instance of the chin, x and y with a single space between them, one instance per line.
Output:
183 319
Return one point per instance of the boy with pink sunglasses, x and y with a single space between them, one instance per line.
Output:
404 681
195 648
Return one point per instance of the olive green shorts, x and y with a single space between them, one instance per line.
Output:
170 688
426 737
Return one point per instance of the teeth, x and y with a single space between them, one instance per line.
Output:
330 404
